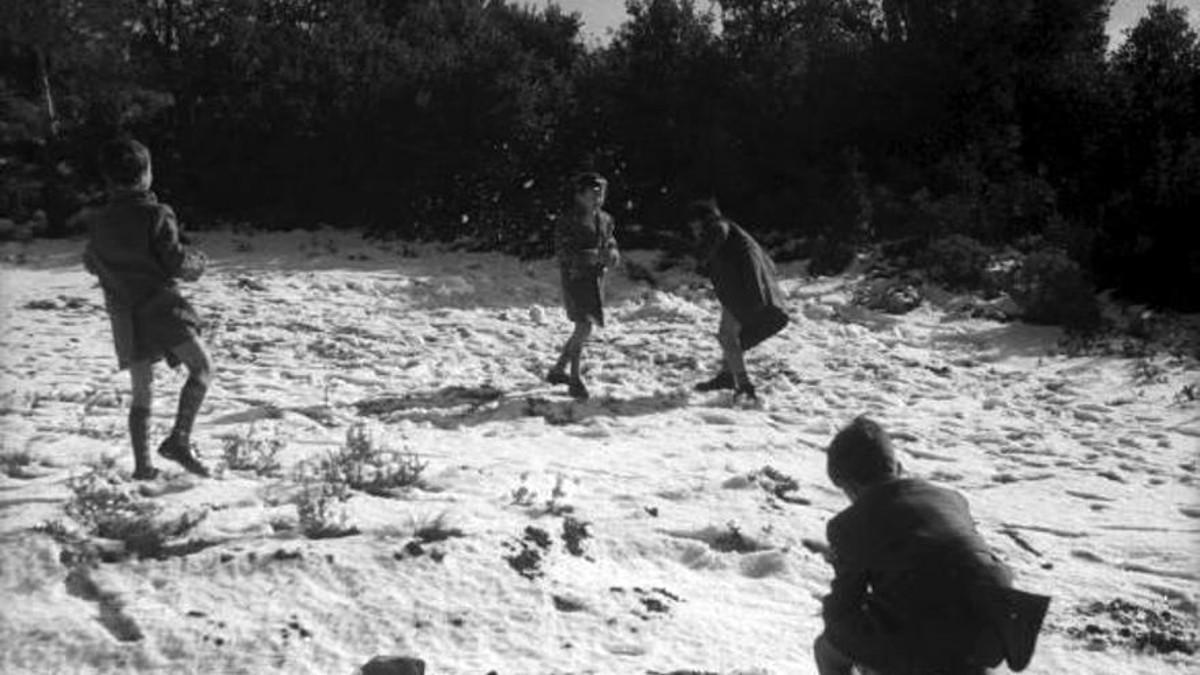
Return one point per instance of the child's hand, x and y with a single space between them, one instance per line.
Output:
194 264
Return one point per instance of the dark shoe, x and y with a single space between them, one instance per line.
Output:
723 380
577 390
746 393
182 454
145 473
557 376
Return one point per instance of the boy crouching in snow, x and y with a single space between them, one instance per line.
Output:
916 591
743 277
586 248
134 248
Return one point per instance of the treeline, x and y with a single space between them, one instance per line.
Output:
835 122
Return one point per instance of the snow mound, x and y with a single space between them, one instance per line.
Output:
659 306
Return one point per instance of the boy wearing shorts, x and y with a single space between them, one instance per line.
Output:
586 249
134 248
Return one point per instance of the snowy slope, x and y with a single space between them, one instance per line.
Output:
1081 471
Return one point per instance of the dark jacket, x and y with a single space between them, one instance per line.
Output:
907 557
743 277
584 241
133 246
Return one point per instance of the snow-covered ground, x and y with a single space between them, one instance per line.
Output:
1082 472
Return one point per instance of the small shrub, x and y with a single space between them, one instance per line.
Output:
15 464
732 539
1147 372
322 511
831 256
1051 289
888 295
957 261
375 470
102 503
254 451
525 497
361 465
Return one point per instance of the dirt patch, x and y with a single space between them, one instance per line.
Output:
1122 624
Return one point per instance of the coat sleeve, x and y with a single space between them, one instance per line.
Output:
577 247
564 241
610 253
712 237
849 587
169 251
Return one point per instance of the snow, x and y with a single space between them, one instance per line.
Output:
1081 476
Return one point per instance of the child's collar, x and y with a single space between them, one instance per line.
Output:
131 194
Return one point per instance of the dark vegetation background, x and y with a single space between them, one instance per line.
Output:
947 129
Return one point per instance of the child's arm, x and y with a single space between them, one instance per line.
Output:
572 251
612 254
176 259
846 592
712 236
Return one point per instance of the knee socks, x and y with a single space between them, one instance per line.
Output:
139 436
190 399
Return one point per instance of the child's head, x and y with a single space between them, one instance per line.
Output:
861 455
700 212
590 189
125 163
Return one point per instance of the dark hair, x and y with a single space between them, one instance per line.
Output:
123 161
861 452
703 210
588 180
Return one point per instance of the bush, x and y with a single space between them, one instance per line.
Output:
15 464
1052 289
321 509
102 503
254 451
361 464
956 261
831 256
372 469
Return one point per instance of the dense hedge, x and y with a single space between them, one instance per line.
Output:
839 121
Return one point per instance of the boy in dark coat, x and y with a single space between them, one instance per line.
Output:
916 590
586 248
743 277
134 248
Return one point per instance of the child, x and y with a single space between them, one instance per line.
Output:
744 279
134 248
915 588
586 248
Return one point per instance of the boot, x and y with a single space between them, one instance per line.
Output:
577 389
178 446
180 451
722 380
745 392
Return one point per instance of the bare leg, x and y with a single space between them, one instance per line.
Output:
141 374
731 349
178 445
583 330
